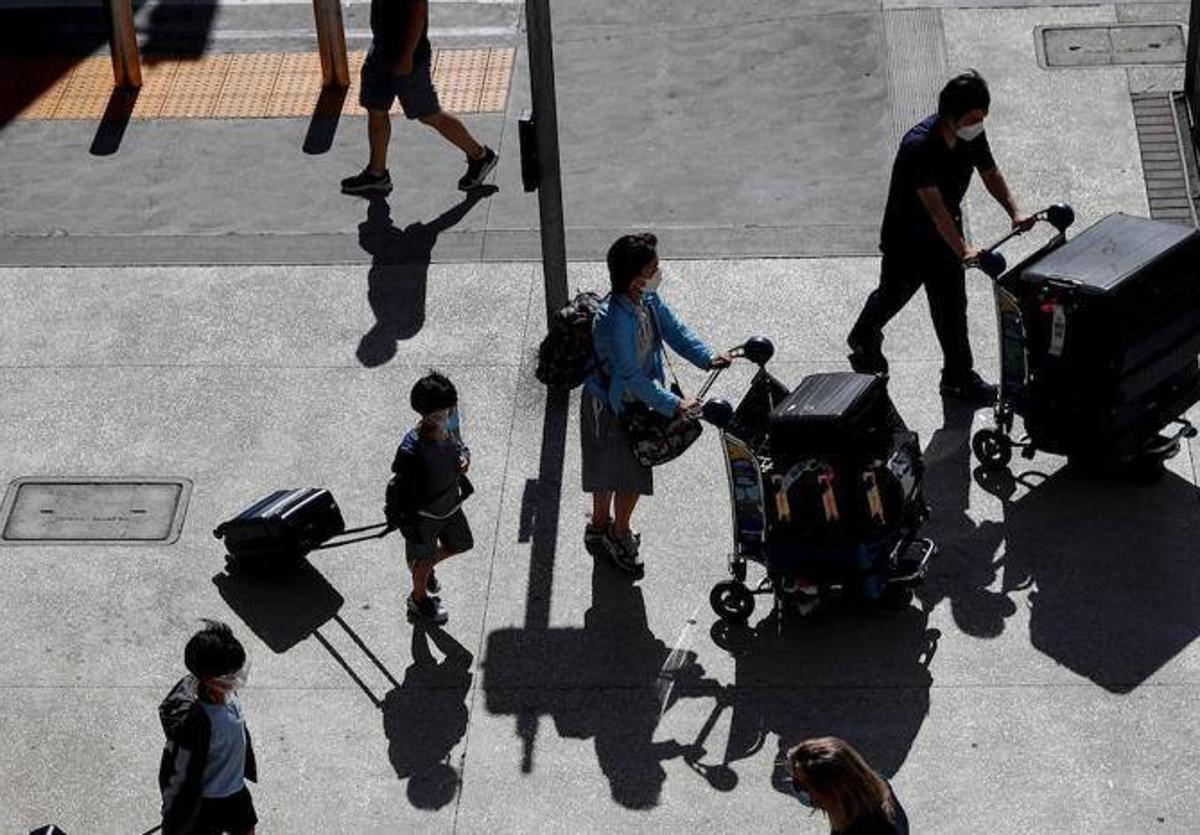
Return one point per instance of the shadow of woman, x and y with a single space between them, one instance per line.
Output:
399 272
426 716
631 674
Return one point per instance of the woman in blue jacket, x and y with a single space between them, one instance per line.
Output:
628 335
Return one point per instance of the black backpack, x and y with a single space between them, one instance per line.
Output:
566 357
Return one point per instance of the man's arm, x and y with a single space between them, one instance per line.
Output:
418 10
936 206
997 186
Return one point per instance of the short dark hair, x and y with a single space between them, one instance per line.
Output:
432 392
213 651
962 94
628 256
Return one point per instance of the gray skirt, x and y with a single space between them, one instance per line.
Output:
608 460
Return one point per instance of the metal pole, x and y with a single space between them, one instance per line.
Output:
127 66
331 43
545 116
1191 83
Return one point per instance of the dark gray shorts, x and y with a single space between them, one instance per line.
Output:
453 533
379 88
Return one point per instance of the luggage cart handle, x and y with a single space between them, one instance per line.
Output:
1059 215
756 349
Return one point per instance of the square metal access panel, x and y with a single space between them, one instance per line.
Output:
1106 45
87 510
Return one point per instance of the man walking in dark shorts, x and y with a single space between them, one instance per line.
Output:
922 237
398 67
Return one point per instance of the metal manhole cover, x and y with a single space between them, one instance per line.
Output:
93 511
1110 45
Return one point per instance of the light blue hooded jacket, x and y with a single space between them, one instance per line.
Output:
614 336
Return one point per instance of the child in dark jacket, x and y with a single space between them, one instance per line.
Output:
208 756
431 465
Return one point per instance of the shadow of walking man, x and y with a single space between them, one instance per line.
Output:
399 271
426 716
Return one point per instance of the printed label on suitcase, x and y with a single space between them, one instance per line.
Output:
1058 330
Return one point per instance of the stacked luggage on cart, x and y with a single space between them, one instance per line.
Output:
1099 344
845 484
827 495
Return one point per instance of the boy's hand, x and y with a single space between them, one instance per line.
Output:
464 463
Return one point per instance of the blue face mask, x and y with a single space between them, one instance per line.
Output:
451 422
803 796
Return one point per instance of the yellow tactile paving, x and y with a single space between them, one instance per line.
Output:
232 85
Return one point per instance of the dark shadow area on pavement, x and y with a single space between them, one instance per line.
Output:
1114 565
327 114
423 717
610 682
399 272
966 563
42 45
113 123
860 673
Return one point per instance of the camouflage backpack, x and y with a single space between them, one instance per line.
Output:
565 357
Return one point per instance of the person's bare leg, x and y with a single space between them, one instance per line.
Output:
379 134
454 131
601 508
420 578
624 505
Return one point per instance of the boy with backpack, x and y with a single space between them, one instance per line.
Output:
208 756
426 494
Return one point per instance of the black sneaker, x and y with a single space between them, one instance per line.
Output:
427 610
970 387
867 360
432 586
366 182
478 169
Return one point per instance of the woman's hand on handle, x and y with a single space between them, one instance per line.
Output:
722 360
687 407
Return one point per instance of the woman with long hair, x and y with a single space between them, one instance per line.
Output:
828 774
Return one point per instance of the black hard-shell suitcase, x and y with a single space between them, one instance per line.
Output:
833 415
1112 323
280 528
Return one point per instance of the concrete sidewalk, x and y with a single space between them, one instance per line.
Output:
1046 680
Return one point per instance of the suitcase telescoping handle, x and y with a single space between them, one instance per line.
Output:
381 530
718 412
1060 216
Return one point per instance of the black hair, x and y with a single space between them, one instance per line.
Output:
962 94
628 256
213 651
432 392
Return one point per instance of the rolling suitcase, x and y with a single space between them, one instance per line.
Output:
833 415
278 530
1113 330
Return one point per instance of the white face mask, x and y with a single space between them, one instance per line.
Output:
969 132
653 282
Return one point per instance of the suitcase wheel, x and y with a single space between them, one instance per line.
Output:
732 601
992 448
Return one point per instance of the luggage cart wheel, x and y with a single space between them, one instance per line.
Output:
731 601
993 448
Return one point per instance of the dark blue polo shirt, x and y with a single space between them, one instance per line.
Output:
924 160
